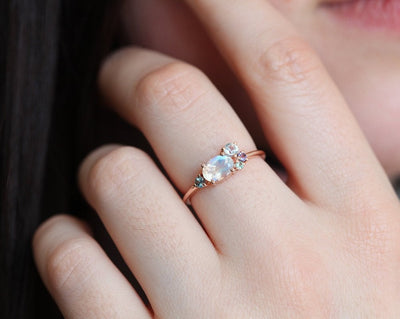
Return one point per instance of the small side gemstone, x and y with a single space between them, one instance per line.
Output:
230 149
199 182
242 157
239 165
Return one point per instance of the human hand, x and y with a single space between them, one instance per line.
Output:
324 245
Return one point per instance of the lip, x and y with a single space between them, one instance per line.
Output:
369 14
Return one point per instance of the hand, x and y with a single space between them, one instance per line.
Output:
324 245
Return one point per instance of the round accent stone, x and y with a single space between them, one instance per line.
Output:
230 149
242 156
239 165
200 182
218 168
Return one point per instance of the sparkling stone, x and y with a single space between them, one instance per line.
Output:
230 149
239 165
242 157
200 182
217 168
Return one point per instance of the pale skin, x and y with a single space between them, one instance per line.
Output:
325 244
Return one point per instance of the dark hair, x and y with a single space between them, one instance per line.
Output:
49 119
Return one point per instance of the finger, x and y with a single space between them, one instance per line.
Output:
79 275
187 122
304 117
158 237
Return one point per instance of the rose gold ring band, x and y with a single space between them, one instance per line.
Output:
230 160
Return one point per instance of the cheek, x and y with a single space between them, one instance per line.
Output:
367 73
376 105
167 26
152 23
170 27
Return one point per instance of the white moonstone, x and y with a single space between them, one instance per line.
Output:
217 168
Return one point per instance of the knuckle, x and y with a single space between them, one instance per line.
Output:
171 88
375 240
297 270
115 170
299 275
70 264
289 60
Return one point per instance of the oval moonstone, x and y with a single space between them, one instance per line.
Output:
217 168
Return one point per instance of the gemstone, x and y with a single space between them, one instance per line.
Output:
239 165
242 157
230 149
217 168
199 182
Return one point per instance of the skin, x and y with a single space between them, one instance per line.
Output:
322 245
366 68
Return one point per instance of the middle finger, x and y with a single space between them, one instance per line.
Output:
305 118
187 122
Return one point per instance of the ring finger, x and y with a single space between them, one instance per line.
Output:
187 121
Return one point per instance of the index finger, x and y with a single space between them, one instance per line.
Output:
304 117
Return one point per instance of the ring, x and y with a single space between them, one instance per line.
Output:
230 160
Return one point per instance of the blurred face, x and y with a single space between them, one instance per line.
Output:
358 41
